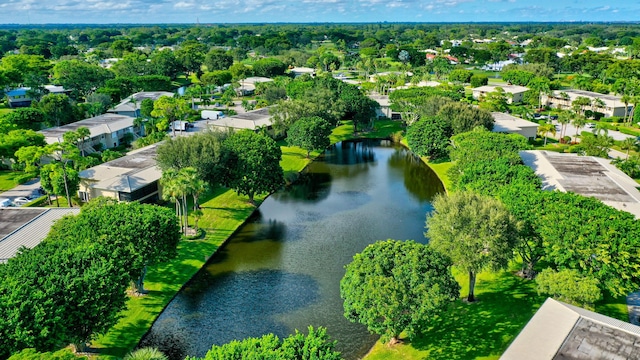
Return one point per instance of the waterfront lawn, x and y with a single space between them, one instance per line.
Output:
223 212
441 168
482 330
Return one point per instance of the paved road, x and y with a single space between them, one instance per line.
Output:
571 131
30 188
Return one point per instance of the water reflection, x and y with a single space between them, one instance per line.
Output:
232 299
282 269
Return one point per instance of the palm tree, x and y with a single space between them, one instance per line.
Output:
565 97
598 104
138 124
564 118
625 99
628 144
146 354
545 129
172 190
83 133
579 122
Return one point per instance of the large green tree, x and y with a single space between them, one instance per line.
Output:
310 133
476 231
429 136
252 164
397 286
217 59
80 77
25 118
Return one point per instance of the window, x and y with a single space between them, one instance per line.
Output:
83 196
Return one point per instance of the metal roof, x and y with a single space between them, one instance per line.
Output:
29 227
249 120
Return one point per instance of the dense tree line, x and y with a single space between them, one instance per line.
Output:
72 286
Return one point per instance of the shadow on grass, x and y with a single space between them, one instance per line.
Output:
484 328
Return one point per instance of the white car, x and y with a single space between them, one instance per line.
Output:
5 202
19 201
591 126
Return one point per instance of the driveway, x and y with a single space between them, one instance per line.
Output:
30 188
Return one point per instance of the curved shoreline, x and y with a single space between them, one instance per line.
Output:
142 312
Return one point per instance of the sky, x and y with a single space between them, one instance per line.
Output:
297 11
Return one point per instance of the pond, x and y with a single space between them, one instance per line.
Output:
281 271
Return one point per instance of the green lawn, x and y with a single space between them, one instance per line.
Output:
5 111
9 179
482 330
224 212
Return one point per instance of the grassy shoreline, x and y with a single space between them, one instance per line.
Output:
224 212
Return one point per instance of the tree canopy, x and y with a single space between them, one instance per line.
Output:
397 286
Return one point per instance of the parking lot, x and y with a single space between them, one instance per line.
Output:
28 190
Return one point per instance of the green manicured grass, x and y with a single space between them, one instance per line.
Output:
441 169
5 111
482 330
223 212
9 179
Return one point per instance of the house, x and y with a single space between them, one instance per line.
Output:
515 92
510 124
384 109
248 85
130 106
563 99
585 175
562 331
299 71
107 131
134 177
26 227
20 97
252 120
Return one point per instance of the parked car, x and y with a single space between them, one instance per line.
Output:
19 201
5 202
591 126
553 117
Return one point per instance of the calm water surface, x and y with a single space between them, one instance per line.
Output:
282 270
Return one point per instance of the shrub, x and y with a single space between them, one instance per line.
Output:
479 80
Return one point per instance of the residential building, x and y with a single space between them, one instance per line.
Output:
26 227
562 331
134 177
107 131
130 106
384 109
515 93
299 71
585 175
563 99
248 85
20 97
252 120
510 124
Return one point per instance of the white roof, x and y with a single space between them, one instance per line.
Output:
509 123
126 174
250 120
609 100
34 227
256 79
127 104
585 175
512 89
129 182
98 125
303 70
